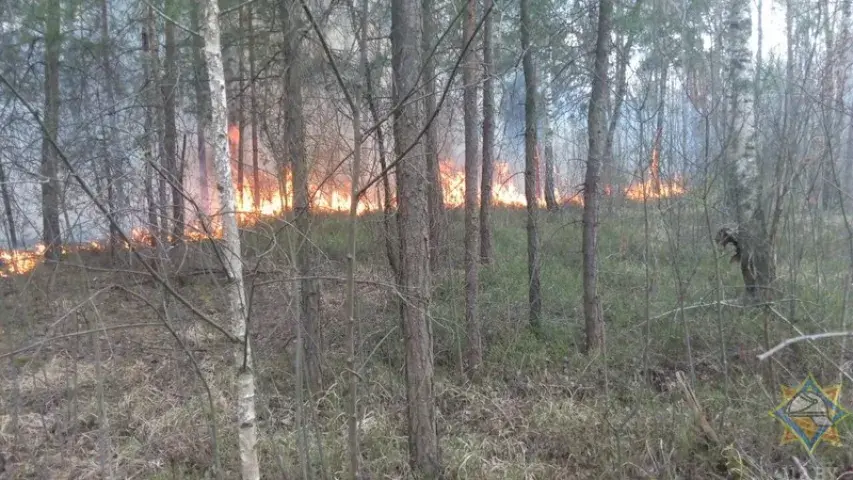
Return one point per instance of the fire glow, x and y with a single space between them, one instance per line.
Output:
334 196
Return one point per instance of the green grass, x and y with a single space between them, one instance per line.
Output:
540 409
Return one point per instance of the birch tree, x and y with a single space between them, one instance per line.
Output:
237 306
756 258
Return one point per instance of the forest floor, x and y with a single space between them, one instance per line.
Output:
128 398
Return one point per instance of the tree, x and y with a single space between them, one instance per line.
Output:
550 194
241 114
7 208
202 113
597 139
414 277
486 254
150 69
531 164
756 258
237 302
256 175
295 151
113 171
474 351
52 235
437 220
391 240
170 133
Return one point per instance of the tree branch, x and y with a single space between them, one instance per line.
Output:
111 218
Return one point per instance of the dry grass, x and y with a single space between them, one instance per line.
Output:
539 410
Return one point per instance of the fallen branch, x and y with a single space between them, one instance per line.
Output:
78 334
803 338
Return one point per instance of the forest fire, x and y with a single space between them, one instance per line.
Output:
329 195
653 187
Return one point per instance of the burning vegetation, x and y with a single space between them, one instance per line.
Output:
330 195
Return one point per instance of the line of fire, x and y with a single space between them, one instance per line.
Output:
331 194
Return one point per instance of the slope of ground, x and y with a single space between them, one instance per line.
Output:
92 379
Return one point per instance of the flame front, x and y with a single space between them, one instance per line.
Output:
275 197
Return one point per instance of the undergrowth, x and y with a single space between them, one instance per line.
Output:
539 409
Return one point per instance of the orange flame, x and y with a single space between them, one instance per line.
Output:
653 187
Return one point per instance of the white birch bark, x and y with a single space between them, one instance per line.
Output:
238 308
757 264
742 119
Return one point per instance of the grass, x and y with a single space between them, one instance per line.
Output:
540 409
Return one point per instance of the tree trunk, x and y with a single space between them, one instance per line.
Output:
437 216
7 207
550 197
654 170
202 104
112 163
149 45
391 240
241 118
414 278
474 350
295 148
757 260
237 302
170 136
486 253
256 174
597 139
844 83
531 164
607 167
52 235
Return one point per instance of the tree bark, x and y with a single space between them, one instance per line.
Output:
237 302
531 164
414 278
486 250
597 140
391 240
112 164
170 137
607 172
654 170
757 259
550 196
7 207
847 167
256 174
474 348
241 117
202 105
149 45
50 187
437 216
295 151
